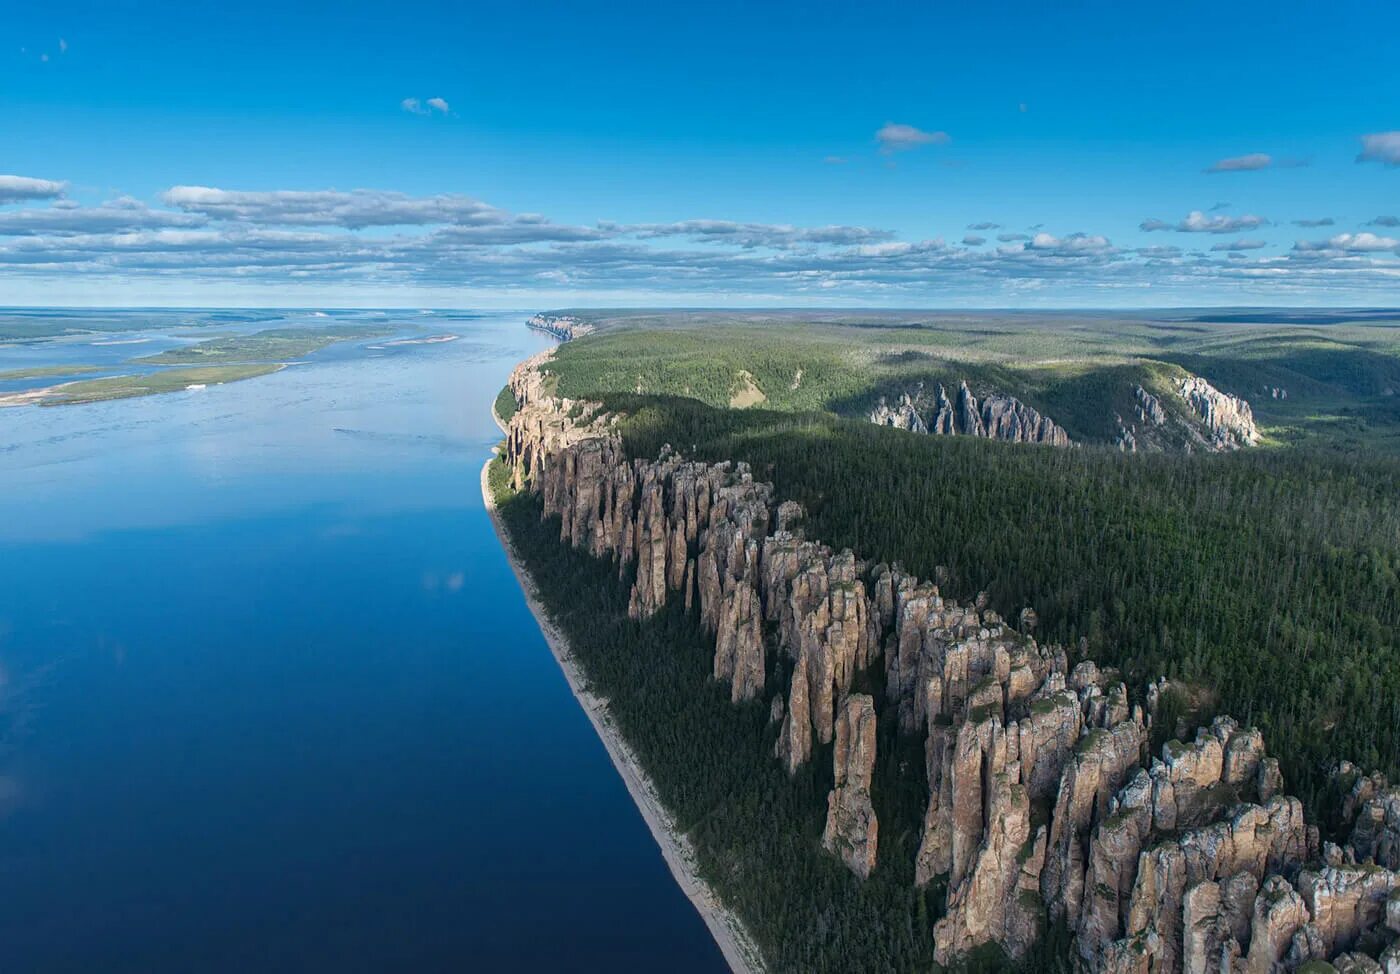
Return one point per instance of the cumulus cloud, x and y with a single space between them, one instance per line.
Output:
1382 147
972 240
354 209
1385 221
17 189
984 226
414 106
1075 243
894 137
1240 245
1198 222
1245 163
1012 237
1324 221
439 105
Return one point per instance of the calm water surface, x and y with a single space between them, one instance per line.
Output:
270 698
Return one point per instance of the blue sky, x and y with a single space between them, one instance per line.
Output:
548 154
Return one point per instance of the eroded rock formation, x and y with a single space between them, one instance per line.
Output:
851 830
1228 420
997 417
1044 804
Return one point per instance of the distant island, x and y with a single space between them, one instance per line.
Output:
194 367
963 700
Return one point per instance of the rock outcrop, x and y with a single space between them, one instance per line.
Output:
1044 804
562 327
851 830
998 417
1228 420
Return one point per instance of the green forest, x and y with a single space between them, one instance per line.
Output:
1264 583
1268 581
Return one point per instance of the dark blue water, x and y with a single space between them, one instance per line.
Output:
270 698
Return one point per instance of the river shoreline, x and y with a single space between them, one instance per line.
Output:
734 943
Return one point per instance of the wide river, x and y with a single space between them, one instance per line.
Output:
270 698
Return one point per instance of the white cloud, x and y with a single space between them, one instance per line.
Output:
1240 245
414 106
1356 243
894 137
1198 222
1075 243
439 104
121 214
1382 147
749 235
336 239
14 189
1246 163
354 208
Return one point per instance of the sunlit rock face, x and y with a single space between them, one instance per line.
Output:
1228 420
1044 803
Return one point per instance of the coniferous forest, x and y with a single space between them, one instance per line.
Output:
755 832
1264 583
1267 583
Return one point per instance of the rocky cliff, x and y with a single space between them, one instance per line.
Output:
997 417
1044 803
1228 420
562 327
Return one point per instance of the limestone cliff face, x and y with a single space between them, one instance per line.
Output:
851 830
1228 420
1044 804
997 417
562 327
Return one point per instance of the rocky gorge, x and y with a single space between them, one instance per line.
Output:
1045 804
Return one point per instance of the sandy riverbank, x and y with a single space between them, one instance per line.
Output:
734 942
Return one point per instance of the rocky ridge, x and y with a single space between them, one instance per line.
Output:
1044 803
997 417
